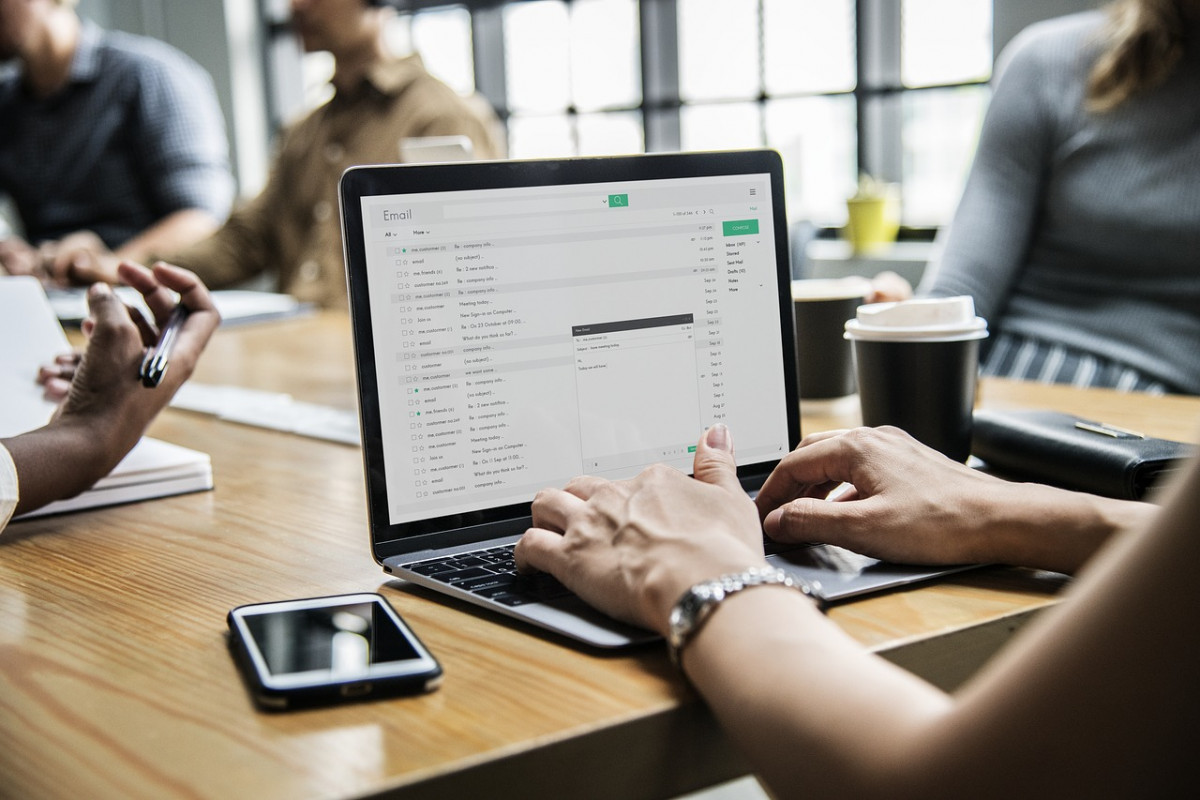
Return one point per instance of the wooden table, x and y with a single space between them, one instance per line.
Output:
115 680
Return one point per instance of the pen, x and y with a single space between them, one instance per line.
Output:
154 365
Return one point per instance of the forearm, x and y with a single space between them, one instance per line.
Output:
58 461
170 234
815 713
241 248
1032 525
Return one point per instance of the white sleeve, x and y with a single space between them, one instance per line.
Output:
8 487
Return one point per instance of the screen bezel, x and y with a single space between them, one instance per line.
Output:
389 539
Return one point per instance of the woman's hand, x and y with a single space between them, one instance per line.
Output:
632 548
901 501
905 502
104 386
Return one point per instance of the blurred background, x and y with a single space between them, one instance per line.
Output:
893 88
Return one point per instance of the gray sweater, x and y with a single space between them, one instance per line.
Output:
1082 228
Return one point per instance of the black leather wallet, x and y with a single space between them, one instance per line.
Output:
1074 453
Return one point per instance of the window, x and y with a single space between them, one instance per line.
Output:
573 77
943 42
443 38
778 73
894 88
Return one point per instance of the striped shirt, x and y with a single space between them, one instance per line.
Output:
1020 357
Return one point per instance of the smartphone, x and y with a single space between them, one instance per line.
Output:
322 650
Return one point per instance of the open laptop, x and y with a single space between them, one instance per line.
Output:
519 323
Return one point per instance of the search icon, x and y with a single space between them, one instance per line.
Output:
618 201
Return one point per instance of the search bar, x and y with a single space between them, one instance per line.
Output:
514 208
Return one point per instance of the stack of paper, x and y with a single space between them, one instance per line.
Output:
30 336
273 410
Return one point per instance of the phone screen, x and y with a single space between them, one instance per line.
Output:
325 649
342 639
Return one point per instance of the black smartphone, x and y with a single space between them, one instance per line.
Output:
321 650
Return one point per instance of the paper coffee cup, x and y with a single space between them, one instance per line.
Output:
931 319
824 362
917 363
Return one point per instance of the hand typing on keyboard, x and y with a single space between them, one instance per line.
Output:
631 548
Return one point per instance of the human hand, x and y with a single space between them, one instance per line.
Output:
80 258
17 257
105 395
906 502
632 548
889 287
55 378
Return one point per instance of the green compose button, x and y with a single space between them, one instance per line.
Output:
740 227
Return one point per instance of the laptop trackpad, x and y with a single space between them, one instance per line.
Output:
843 573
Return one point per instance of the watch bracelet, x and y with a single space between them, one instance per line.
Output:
698 603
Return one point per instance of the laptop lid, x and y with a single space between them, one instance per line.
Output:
518 323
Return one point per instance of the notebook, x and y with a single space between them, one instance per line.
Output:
30 336
520 323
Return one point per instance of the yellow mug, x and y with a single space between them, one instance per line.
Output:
871 222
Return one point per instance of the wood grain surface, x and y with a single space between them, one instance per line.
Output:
115 679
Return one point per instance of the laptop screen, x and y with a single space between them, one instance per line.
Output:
521 323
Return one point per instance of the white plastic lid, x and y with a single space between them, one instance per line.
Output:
831 288
931 319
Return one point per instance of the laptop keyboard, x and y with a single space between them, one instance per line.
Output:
491 573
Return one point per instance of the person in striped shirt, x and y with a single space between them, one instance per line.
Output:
1078 233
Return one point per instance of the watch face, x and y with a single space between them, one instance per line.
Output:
691 609
677 626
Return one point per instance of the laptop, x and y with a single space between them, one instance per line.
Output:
518 323
433 149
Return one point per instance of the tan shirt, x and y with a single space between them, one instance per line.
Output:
292 228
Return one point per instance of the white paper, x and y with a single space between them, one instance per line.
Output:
271 410
30 336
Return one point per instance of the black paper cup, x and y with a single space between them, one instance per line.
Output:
824 361
920 378
925 388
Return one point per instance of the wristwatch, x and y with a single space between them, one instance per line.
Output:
698 603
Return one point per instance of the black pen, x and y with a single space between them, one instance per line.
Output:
154 365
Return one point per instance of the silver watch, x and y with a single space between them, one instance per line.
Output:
699 602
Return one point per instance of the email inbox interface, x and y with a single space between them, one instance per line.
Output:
525 336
